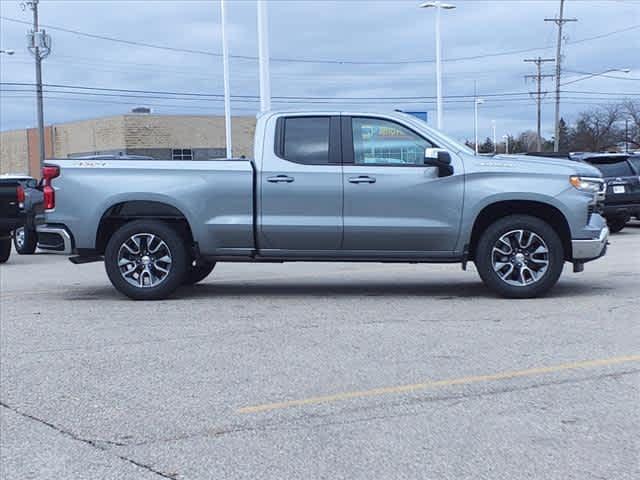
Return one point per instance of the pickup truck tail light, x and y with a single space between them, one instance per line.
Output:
20 196
49 172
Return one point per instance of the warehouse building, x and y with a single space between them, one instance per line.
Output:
163 137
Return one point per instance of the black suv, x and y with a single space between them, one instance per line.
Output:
621 171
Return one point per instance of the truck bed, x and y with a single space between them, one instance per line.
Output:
215 196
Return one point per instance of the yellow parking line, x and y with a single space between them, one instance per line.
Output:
439 383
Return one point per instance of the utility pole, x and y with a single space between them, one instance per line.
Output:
539 93
560 21
39 44
626 135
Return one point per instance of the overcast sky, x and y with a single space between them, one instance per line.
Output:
352 31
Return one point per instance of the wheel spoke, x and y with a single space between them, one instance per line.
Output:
509 271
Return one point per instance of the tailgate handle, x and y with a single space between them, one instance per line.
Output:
362 179
280 179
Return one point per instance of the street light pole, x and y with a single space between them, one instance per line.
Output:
225 69
478 101
263 54
506 143
495 146
438 5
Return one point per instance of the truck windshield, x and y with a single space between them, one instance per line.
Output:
458 145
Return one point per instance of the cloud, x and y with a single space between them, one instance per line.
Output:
330 30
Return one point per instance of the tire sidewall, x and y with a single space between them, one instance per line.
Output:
29 241
488 239
179 260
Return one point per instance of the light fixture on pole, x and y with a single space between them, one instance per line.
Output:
478 101
8 52
591 75
227 92
263 56
506 143
438 6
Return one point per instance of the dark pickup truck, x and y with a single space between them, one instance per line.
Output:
621 172
21 203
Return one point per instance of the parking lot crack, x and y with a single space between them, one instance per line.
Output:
97 444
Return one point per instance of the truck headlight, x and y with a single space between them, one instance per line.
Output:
587 184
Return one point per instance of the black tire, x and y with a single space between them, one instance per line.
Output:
616 224
177 252
484 257
5 249
25 241
198 273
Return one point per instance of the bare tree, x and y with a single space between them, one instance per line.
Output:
631 112
597 129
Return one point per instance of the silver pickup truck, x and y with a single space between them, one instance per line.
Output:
330 186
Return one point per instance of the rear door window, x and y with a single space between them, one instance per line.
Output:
306 140
617 169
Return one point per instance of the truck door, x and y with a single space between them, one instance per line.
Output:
393 202
301 186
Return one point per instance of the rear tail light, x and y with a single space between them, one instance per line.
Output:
49 172
20 196
49 197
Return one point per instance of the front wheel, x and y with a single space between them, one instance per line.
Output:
25 241
146 260
519 256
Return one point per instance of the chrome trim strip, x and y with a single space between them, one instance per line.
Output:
66 239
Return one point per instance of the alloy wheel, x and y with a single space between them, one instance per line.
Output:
144 260
520 257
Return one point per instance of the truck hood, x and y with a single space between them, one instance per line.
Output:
526 163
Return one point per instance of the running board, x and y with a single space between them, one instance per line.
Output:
78 260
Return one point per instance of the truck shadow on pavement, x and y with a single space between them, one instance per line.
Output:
339 289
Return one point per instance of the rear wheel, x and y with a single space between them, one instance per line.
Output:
519 256
146 260
198 273
616 224
5 249
25 240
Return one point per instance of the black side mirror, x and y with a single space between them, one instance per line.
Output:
439 158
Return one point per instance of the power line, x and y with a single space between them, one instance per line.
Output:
201 94
308 60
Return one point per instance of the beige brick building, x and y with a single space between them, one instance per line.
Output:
165 137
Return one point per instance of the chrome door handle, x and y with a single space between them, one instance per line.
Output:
362 179
280 179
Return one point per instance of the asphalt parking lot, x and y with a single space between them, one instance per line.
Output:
332 371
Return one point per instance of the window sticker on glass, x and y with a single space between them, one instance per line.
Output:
382 142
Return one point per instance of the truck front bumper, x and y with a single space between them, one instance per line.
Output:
585 250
